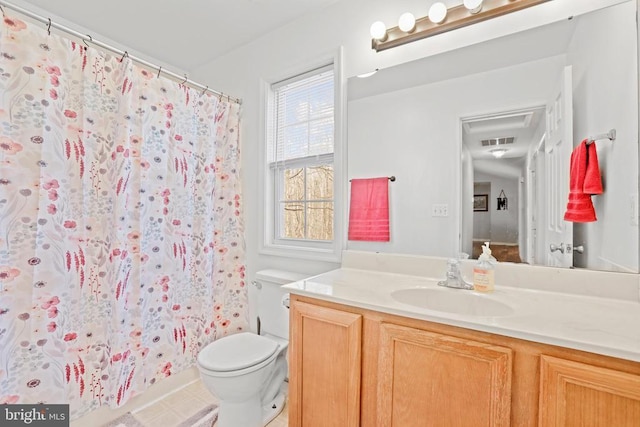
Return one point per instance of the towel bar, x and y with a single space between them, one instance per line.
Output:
611 135
390 178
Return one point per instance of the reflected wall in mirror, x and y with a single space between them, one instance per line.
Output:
547 88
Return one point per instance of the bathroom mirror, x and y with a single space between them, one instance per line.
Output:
499 119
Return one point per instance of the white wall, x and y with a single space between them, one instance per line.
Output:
503 223
415 135
605 75
300 44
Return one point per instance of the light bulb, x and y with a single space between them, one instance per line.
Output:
474 6
437 12
407 22
378 30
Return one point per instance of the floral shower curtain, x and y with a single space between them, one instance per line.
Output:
121 251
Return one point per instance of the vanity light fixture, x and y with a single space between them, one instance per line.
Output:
407 22
378 31
474 6
440 20
437 12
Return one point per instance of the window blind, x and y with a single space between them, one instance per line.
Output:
304 124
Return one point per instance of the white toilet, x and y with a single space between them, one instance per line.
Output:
246 371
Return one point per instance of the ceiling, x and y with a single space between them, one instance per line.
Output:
183 34
521 125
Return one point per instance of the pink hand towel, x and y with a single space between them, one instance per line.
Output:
369 210
584 181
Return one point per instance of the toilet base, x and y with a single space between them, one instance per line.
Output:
234 415
273 408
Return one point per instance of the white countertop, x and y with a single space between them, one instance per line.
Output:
595 324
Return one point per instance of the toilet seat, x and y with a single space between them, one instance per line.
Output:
236 352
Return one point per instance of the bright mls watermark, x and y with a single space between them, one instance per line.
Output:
34 415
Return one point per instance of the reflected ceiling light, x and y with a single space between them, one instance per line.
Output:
437 12
474 6
498 152
440 20
407 22
369 74
378 31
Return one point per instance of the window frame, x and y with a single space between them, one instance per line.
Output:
270 243
279 198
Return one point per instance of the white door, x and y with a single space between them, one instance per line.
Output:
558 147
532 211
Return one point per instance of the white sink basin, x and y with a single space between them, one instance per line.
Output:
453 301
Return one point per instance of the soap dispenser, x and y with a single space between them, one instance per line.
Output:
483 271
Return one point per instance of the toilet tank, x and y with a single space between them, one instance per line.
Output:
274 316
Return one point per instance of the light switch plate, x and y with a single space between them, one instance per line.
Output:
440 210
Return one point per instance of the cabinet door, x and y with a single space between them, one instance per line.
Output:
577 394
325 360
433 380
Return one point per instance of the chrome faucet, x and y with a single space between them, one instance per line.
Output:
454 276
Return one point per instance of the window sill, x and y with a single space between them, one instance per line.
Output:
301 252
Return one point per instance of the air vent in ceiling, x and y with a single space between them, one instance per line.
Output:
498 141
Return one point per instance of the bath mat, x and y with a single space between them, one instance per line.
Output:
126 420
204 418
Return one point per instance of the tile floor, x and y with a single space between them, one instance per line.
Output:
183 403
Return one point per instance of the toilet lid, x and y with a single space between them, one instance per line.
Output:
236 352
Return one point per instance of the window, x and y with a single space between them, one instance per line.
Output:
300 161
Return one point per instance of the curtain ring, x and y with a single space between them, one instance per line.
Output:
49 27
159 69
85 40
185 79
2 9
205 90
124 55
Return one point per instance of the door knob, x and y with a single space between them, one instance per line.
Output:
579 249
553 247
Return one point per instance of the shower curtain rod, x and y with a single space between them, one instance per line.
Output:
86 38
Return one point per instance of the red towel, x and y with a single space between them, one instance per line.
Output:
584 181
369 210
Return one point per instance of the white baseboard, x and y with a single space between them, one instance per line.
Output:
495 243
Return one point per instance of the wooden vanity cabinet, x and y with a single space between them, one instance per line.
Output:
432 380
356 367
324 366
579 394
